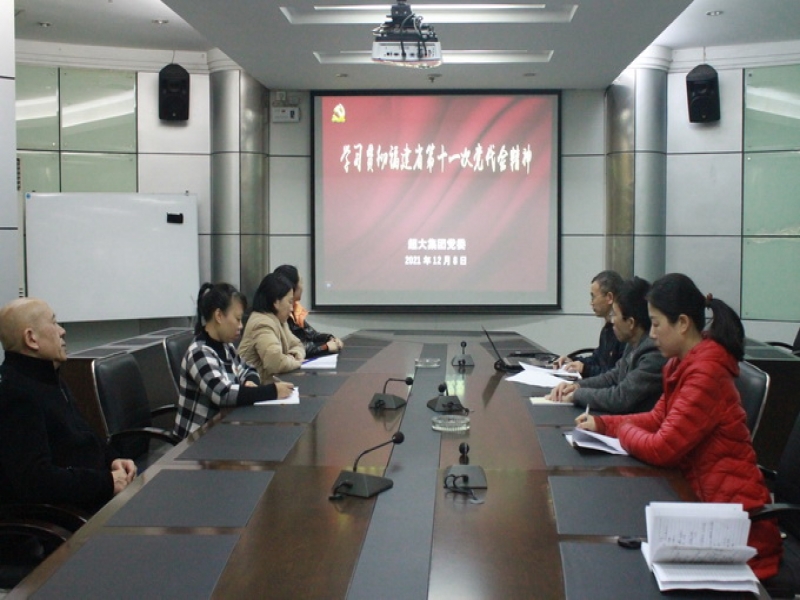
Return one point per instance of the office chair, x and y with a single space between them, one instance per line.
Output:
786 491
175 347
753 386
29 533
126 409
580 354
794 348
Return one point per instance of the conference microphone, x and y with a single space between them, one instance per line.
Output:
463 359
464 476
389 401
362 485
445 403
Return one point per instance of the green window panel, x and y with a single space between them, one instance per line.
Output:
98 110
772 108
37 108
87 172
771 279
771 201
40 171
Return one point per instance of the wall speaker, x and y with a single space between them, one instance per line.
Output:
173 93
702 93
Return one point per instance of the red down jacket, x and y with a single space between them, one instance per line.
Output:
699 426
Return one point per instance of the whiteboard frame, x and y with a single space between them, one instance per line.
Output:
114 256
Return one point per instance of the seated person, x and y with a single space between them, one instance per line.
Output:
48 453
634 384
603 290
212 373
314 342
267 343
698 425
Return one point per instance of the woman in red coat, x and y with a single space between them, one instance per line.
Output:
698 424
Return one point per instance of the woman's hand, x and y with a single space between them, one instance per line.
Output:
585 421
284 389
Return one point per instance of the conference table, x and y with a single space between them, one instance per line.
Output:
241 508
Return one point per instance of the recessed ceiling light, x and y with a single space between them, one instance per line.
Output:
45 24
160 21
714 13
341 75
529 74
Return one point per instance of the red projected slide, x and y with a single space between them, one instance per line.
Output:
444 200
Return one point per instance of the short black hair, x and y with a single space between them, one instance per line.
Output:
632 301
608 281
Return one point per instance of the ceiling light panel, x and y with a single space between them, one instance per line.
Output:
452 57
433 13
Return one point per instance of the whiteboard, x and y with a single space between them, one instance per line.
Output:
103 257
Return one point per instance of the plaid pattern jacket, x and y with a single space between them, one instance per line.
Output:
211 373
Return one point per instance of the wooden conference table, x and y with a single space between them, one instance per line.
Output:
241 508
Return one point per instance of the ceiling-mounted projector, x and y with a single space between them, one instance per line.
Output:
404 41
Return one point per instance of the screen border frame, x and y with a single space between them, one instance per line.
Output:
494 308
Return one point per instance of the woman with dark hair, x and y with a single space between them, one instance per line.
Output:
314 342
212 374
634 383
698 425
267 343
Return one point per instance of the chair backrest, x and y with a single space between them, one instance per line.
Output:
175 347
787 480
796 344
123 399
753 386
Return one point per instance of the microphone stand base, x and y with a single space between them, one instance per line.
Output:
445 404
470 476
386 401
361 485
462 360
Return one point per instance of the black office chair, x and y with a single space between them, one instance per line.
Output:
175 347
126 410
581 354
794 348
786 490
753 386
29 533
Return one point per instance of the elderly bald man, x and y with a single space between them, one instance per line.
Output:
48 453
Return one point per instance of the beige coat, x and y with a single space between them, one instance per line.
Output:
269 346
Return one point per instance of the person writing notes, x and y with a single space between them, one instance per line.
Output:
267 343
314 342
634 383
603 290
213 375
698 424
48 453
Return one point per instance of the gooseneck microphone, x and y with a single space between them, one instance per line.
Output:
463 359
389 401
445 403
362 485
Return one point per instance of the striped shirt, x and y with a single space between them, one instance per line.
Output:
211 375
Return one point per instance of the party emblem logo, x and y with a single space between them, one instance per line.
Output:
338 114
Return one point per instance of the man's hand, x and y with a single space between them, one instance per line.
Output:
574 366
563 392
122 472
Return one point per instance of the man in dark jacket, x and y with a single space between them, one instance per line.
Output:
603 289
48 453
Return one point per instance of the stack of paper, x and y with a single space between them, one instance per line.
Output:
695 546
582 438
329 361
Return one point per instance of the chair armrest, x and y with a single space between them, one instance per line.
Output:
768 511
164 410
66 517
781 345
48 533
151 432
769 474
578 353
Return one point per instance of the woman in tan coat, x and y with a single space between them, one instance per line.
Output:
267 344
